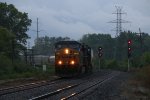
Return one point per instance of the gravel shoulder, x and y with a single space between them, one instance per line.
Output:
111 90
122 87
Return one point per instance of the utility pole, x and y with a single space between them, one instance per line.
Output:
129 53
37 29
141 42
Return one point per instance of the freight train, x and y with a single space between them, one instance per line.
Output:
72 58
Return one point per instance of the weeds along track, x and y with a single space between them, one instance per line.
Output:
77 88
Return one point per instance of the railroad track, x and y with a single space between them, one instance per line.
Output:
98 83
51 89
24 87
25 92
74 90
54 92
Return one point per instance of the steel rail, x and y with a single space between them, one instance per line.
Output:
15 89
54 92
91 86
58 91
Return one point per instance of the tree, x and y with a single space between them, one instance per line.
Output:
95 40
45 45
5 41
16 23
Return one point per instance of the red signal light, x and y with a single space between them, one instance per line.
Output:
129 41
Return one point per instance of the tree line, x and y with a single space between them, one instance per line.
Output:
13 27
114 49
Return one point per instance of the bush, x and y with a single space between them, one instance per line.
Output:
21 70
123 66
144 75
20 67
146 58
5 65
112 64
141 61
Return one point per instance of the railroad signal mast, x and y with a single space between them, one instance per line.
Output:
100 53
129 52
129 48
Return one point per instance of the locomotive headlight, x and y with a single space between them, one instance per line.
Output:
72 62
60 62
66 51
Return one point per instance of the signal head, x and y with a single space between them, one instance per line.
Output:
100 48
129 41
129 49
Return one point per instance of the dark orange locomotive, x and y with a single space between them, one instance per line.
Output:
72 58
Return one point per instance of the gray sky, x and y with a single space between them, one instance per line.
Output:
74 18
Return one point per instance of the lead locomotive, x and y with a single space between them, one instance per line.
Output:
72 58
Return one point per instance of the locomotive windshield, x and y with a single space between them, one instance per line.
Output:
67 44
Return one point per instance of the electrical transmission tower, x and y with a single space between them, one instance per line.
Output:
118 28
119 20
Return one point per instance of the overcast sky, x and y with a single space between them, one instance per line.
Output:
74 18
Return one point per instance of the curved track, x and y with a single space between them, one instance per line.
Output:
14 89
72 91
63 89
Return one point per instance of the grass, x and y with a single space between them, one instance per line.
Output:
143 75
34 72
138 86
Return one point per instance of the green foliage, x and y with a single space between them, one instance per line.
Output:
5 41
16 23
95 63
144 76
20 67
146 58
21 70
13 27
45 45
137 62
96 40
112 64
123 65
5 65
116 48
